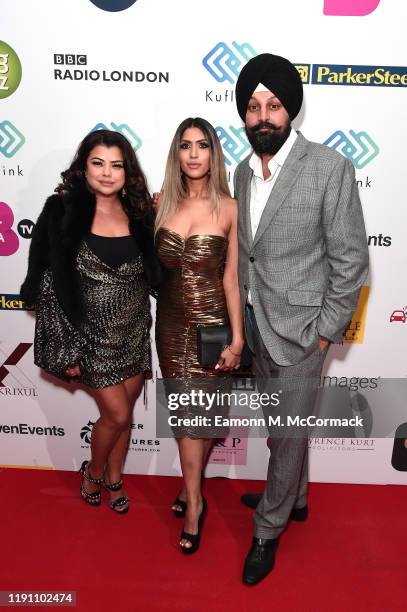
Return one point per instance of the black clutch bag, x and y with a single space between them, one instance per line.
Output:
212 339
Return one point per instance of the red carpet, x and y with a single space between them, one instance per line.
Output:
350 554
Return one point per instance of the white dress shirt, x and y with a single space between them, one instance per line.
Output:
260 188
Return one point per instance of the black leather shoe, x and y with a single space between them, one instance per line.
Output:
251 500
260 560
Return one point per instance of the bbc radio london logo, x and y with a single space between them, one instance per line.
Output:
359 147
10 70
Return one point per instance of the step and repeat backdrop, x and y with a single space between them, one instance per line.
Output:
140 67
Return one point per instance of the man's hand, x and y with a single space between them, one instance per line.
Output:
323 343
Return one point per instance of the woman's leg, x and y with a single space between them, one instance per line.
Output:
117 455
192 457
207 443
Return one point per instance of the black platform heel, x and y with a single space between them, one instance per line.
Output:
194 538
93 499
121 501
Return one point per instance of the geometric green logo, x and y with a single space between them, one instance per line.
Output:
10 70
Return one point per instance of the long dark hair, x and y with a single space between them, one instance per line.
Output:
137 201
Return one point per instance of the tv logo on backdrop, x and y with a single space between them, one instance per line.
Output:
11 139
133 138
359 147
10 70
113 6
350 8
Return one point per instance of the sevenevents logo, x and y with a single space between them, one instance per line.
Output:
133 138
11 139
113 6
234 143
10 70
357 146
350 8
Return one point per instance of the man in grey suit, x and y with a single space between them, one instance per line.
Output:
302 260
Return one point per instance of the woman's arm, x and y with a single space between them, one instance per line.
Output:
231 355
38 258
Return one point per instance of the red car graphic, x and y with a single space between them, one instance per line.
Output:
397 315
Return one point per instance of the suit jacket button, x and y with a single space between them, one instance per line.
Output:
251 259
245 287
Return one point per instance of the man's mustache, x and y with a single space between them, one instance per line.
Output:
264 124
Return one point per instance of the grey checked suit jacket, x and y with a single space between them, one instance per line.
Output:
309 258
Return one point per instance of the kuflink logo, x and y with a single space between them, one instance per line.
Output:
113 6
9 241
11 139
133 138
234 143
350 8
10 70
225 62
356 146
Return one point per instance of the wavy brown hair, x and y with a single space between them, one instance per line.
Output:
174 186
137 200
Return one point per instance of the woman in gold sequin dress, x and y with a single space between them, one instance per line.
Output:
91 263
196 241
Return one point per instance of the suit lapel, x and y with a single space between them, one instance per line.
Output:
246 181
287 177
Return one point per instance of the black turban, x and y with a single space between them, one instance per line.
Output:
279 76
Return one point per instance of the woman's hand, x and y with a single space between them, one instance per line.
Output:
229 358
73 370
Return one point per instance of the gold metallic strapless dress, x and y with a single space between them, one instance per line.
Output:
191 294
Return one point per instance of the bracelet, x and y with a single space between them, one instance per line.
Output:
234 354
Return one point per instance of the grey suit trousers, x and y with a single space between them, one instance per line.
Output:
287 476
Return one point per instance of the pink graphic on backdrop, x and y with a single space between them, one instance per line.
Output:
350 8
9 242
232 450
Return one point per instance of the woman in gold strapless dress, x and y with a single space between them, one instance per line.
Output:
196 240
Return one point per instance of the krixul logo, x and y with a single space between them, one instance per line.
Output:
13 359
11 139
9 241
124 129
358 147
10 70
350 8
113 6
12 301
399 316
86 432
234 143
225 62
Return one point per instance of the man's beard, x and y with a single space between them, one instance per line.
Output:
267 143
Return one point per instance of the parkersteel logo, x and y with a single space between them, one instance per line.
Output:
234 143
13 301
11 139
133 138
357 146
10 70
350 8
373 76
